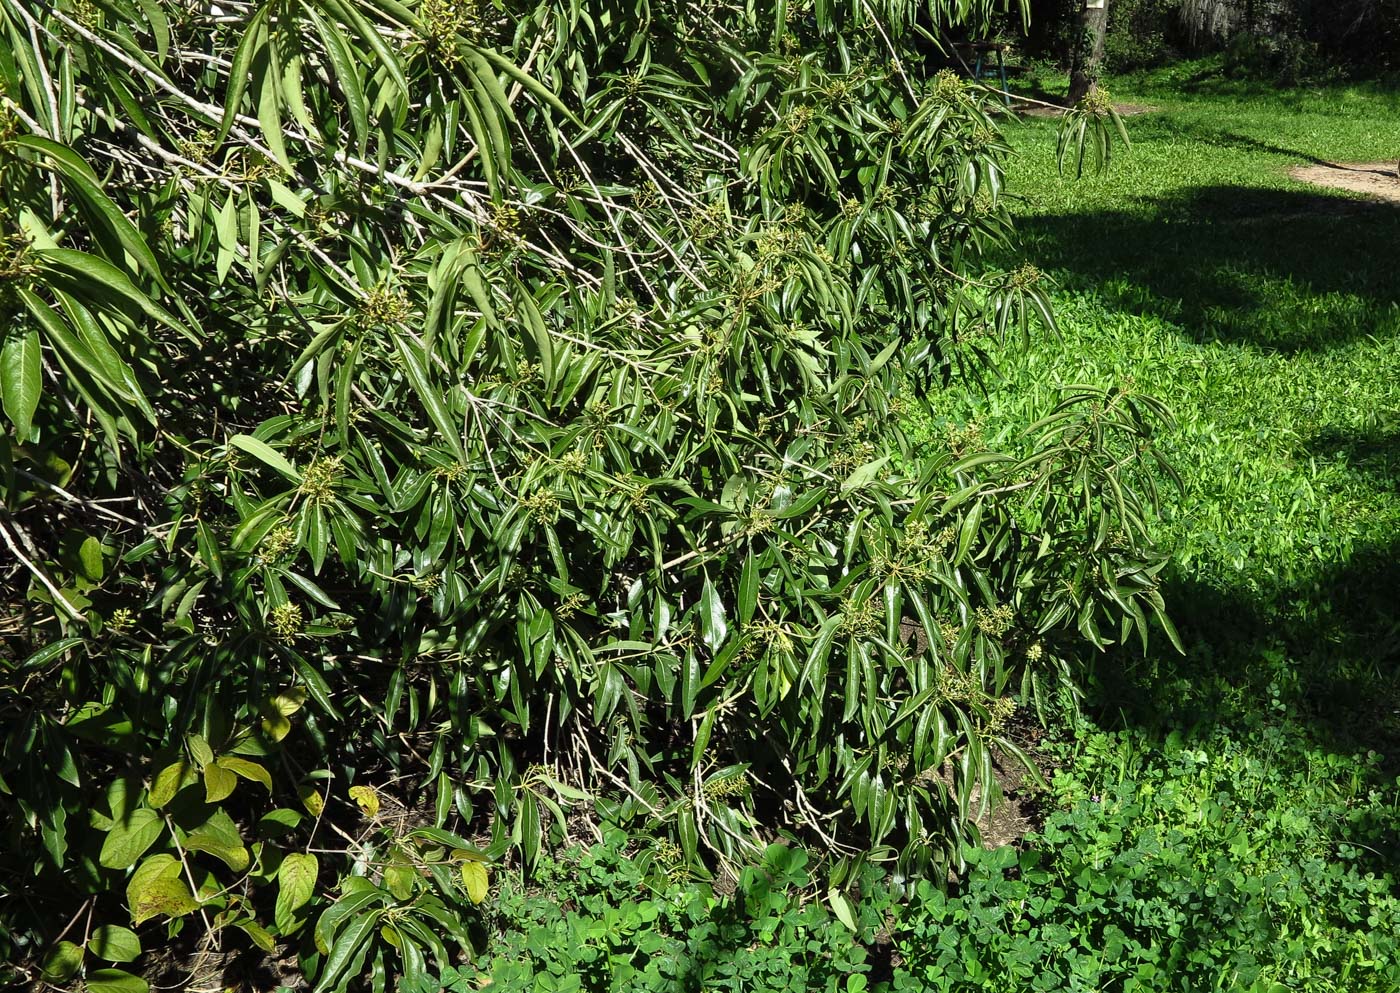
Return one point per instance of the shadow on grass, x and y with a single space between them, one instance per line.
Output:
1373 454
1309 672
1284 270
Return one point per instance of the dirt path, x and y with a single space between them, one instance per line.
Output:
1373 179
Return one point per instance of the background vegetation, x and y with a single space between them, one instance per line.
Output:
1292 41
441 435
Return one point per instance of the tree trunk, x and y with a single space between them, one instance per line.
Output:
1088 49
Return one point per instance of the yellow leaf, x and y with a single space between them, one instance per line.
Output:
169 781
219 782
312 800
476 879
250 771
157 890
276 726
289 702
200 750
367 797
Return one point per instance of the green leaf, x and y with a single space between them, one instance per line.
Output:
259 934
250 771
49 652
156 889
296 884
219 837
21 378
347 75
129 838
400 879
200 749
714 627
285 198
748 589
114 943
219 783
63 962
343 949
476 880
254 38
265 454
97 280
115 981
417 371
270 114
90 559
84 182
841 907
864 476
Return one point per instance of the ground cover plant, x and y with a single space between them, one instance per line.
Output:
434 432
1194 862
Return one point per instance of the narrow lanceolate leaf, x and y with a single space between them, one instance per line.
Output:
841 907
21 378
344 948
864 476
265 454
714 625
100 283
254 39
347 76
84 182
416 369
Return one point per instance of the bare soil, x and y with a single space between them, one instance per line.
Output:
1375 180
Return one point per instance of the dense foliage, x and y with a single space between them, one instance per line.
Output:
444 423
